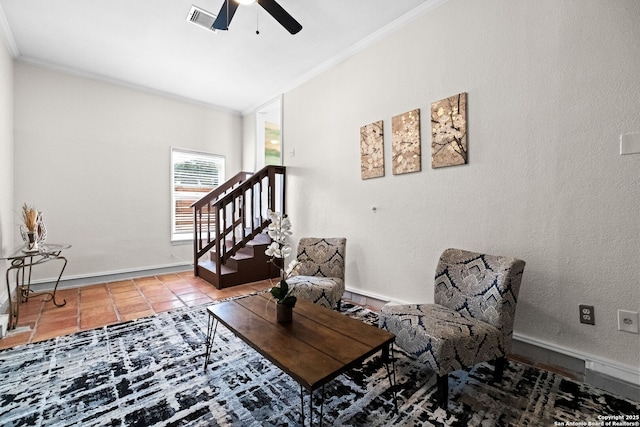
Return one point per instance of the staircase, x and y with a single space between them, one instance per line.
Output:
229 224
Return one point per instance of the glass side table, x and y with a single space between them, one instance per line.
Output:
22 261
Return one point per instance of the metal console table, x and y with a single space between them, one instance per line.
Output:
22 261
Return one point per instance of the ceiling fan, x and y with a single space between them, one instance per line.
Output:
274 9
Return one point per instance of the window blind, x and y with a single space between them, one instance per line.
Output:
194 174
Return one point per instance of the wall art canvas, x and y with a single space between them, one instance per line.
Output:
449 131
405 142
372 150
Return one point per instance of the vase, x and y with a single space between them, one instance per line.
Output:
32 243
284 313
30 238
41 229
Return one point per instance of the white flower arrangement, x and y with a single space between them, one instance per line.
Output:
279 230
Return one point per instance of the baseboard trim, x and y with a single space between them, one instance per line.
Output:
69 282
592 362
110 276
366 298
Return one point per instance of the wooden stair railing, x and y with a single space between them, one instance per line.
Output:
233 214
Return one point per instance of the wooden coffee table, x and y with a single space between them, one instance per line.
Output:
317 346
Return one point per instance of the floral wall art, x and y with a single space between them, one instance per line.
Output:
449 131
372 150
405 142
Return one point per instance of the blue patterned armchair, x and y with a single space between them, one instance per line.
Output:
471 320
320 276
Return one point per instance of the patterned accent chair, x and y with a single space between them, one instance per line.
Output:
320 276
471 320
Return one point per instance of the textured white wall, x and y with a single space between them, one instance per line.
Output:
95 158
550 85
6 159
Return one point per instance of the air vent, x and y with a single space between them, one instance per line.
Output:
201 18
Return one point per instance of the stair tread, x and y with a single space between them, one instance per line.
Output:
242 255
260 239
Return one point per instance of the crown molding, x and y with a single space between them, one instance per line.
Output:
115 82
393 26
7 35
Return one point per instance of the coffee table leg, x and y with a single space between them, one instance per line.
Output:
212 325
392 379
311 407
322 406
301 406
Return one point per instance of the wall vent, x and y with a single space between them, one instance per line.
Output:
201 18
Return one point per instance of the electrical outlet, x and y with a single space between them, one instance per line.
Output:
587 314
628 321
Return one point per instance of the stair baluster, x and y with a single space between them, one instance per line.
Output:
229 224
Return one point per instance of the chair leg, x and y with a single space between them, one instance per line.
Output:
443 391
339 305
499 365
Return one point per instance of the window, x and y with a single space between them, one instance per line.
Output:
193 175
268 134
272 146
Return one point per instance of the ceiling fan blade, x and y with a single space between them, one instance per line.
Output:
227 11
281 15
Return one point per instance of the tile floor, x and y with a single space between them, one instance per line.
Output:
103 304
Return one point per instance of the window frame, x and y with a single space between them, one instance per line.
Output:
183 155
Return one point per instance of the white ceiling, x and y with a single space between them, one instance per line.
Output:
150 44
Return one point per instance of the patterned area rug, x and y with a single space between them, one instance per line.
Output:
149 372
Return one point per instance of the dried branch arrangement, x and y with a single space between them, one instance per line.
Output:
29 216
